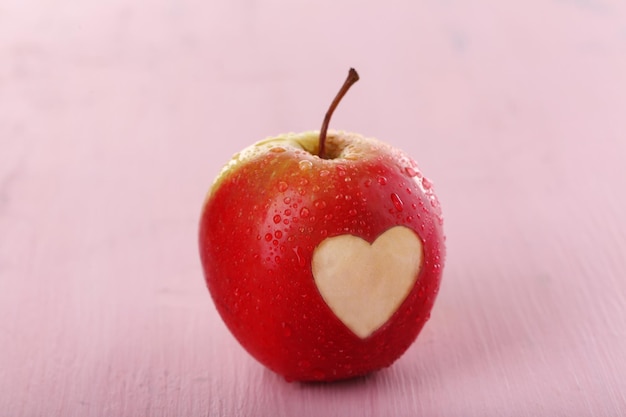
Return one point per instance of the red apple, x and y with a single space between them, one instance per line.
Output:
323 252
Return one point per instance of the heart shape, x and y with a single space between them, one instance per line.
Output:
365 284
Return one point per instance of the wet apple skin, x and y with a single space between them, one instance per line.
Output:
258 231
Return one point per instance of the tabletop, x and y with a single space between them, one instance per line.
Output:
116 116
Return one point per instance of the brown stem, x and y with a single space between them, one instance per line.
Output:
352 78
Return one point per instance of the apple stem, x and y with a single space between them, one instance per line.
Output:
353 77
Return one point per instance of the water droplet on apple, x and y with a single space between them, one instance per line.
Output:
278 234
305 165
347 179
368 182
277 218
352 212
282 186
299 255
410 172
277 259
268 237
286 329
409 219
324 172
277 149
304 212
287 200
319 204
381 180
421 292
341 170
397 202
426 183
440 220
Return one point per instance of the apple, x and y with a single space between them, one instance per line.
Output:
322 251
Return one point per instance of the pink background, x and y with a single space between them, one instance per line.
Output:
115 116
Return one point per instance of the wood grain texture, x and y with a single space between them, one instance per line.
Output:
115 117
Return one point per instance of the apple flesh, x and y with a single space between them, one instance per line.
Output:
322 268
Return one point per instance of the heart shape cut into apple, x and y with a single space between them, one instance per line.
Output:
365 284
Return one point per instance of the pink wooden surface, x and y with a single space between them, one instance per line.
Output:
115 117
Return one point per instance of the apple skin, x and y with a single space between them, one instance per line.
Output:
267 211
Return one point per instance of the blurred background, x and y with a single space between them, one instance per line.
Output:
116 116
